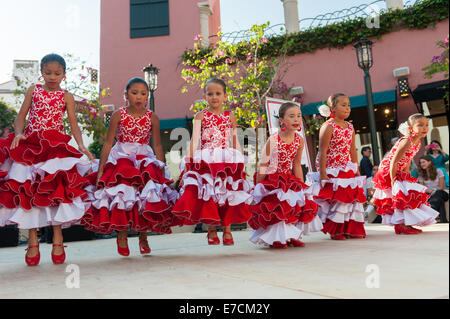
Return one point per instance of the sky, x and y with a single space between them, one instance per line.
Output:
31 29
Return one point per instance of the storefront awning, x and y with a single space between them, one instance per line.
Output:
430 91
355 101
172 123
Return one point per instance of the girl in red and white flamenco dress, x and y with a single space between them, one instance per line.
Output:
131 187
283 207
214 190
400 200
338 186
44 184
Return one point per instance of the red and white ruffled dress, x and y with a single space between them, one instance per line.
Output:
283 206
214 189
133 190
42 181
406 202
340 198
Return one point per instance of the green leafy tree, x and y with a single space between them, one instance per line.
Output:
439 63
250 77
7 117
90 111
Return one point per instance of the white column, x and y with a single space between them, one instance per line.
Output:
394 4
205 12
291 16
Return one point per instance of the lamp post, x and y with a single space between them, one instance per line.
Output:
365 61
151 77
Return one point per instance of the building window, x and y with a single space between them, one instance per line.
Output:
149 18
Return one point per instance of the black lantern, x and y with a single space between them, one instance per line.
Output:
365 61
151 77
364 53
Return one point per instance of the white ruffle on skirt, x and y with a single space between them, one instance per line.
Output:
422 215
123 196
338 212
64 215
281 232
221 190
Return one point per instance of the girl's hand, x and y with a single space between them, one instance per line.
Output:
99 175
16 140
324 177
83 149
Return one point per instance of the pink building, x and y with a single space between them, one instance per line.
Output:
329 71
138 32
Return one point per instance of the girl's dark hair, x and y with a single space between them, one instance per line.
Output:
434 142
53 57
136 80
284 107
430 173
216 81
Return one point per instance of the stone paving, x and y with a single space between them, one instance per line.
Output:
182 265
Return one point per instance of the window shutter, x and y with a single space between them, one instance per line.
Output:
149 18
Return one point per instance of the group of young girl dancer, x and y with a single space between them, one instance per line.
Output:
44 182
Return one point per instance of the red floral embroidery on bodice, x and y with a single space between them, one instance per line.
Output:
46 110
338 154
134 129
215 130
283 155
403 162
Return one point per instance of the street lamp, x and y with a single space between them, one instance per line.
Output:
151 77
365 61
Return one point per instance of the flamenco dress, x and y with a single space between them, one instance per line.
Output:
134 190
214 189
406 201
41 180
283 206
341 197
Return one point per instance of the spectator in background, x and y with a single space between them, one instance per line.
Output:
365 165
439 158
371 211
434 180
393 140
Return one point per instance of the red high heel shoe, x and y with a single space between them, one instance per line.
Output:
59 259
123 251
214 240
277 244
33 261
144 248
338 237
296 243
401 229
416 229
227 241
